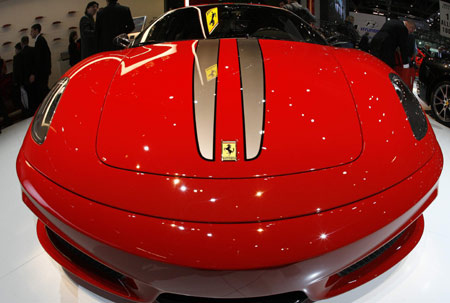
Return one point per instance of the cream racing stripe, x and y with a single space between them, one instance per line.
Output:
253 95
205 81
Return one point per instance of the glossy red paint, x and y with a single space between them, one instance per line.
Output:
232 246
246 243
389 146
341 174
134 289
419 58
162 128
336 285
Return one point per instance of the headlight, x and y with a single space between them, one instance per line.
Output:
412 107
44 116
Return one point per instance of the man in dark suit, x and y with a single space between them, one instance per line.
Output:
28 58
394 33
112 20
18 65
87 30
42 67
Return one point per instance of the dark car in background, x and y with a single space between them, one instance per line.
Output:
434 86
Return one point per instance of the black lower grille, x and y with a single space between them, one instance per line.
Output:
292 297
369 258
82 260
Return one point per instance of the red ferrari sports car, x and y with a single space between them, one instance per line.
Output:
229 155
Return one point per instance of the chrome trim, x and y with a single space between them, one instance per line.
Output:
204 97
253 95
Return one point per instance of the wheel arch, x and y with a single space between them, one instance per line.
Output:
435 83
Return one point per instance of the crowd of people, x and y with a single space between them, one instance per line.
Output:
31 71
395 37
98 28
394 44
32 66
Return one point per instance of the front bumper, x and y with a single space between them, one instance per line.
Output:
99 232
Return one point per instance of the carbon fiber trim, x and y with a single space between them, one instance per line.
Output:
411 105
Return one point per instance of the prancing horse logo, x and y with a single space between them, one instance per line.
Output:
212 22
229 151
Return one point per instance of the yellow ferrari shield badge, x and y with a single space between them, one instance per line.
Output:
212 19
229 152
211 72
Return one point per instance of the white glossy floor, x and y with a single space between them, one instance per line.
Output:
29 275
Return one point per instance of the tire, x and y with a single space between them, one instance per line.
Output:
440 103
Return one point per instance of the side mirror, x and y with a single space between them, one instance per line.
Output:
121 41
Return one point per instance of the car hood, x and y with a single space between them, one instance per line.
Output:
173 109
128 126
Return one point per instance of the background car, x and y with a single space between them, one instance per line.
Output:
229 154
434 86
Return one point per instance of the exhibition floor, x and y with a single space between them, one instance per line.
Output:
28 274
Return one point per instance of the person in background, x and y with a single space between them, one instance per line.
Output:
2 67
6 93
364 42
42 66
112 21
348 29
28 59
18 65
3 111
74 48
394 33
28 63
28 55
18 76
442 52
87 30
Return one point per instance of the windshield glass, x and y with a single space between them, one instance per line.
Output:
229 21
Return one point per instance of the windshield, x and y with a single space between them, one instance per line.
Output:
228 21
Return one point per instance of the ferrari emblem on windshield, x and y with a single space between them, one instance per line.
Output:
212 19
229 152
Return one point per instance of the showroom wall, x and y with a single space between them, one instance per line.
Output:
17 16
